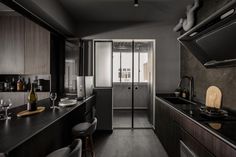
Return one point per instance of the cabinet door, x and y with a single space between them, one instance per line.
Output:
192 146
37 49
167 129
11 45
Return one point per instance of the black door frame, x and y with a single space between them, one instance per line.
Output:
132 91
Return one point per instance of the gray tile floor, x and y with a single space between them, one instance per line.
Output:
129 143
122 119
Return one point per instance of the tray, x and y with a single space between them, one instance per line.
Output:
29 113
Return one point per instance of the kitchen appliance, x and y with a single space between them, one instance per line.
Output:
212 41
80 87
43 85
213 113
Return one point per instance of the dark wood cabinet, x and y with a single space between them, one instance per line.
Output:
12 44
172 126
166 129
37 49
24 46
193 145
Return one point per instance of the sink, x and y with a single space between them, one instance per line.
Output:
176 100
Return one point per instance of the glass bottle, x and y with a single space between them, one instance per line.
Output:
32 99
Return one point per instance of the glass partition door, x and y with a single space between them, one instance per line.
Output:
122 84
132 79
143 110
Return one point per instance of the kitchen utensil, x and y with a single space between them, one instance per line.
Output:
213 97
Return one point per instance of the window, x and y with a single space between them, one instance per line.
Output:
122 67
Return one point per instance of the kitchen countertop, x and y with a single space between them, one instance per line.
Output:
16 131
228 125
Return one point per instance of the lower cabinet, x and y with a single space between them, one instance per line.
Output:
182 137
166 129
189 146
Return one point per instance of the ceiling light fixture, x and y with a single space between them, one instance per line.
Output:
136 3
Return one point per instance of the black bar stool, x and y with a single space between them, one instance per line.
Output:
73 150
85 131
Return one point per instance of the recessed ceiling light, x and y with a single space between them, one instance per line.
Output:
136 3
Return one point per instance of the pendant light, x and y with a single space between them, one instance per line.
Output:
136 3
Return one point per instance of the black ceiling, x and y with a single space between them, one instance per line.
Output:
124 11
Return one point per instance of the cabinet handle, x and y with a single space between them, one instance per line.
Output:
136 87
129 87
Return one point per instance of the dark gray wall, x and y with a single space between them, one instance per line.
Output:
223 78
167 46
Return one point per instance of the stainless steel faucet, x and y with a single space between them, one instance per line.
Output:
191 86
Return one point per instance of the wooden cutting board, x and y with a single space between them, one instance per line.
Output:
29 113
213 97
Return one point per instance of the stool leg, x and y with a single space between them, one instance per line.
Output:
92 146
85 146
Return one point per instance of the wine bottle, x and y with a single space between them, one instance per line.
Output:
19 86
36 83
28 85
13 85
24 84
32 99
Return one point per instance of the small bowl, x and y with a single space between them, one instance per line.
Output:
177 94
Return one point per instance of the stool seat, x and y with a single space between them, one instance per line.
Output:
85 131
63 152
73 150
81 129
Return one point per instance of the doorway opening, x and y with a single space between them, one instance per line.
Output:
133 83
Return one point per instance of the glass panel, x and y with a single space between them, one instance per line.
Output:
122 91
103 64
116 67
126 67
71 67
143 64
141 88
136 67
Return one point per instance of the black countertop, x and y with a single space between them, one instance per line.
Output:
16 131
227 128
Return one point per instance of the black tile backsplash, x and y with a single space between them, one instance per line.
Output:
224 78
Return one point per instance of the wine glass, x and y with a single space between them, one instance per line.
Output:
53 97
1 108
5 106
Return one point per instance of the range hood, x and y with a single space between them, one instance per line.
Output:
213 41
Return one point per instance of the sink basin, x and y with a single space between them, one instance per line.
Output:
176 100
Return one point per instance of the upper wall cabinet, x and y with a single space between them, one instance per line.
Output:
11 45
37 49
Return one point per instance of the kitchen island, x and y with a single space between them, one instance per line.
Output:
40 134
